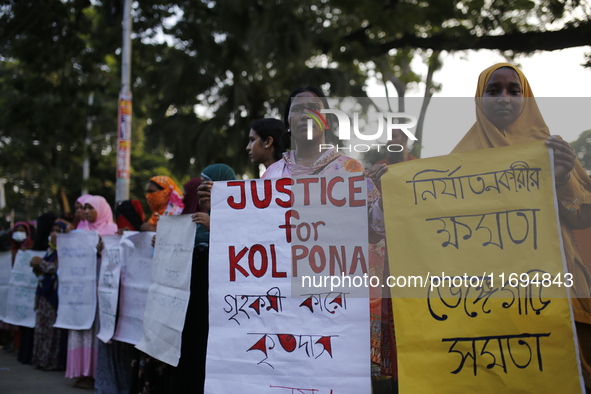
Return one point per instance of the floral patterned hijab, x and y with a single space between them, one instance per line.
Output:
168 201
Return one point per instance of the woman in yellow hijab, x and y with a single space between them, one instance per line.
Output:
507 114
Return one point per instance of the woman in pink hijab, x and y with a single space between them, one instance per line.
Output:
98 215
82 344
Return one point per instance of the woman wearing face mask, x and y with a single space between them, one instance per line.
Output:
164 198
46 349
22 238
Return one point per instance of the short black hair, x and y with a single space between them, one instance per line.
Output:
270 127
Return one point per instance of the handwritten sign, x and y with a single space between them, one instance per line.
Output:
135 281
484 305
77 272
20 303
272 332
5 269
108 286
169 292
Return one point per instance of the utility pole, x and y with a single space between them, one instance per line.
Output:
124 113
86 164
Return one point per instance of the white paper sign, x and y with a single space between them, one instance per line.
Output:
20 304
5 268
108 286
265 236
77 268
170 289
135 280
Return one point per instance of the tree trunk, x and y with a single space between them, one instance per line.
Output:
434 65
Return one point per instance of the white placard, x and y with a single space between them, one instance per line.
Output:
20 303
5 268
170 289
76 273
108 286
136 251
264 239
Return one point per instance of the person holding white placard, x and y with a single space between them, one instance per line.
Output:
46 348
306 158
82 344
189 376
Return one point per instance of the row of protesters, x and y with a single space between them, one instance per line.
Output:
79 351
502 120
164 198
24 236
268 139
43 346
306 159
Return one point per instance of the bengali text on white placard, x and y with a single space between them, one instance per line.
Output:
20 303
169 292
108 286
77 268
135 281
274 333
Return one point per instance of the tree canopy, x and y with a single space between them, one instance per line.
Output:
202 71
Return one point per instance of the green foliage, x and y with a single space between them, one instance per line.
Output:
55 53
202 71
583 148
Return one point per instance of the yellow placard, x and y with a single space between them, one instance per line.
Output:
480 294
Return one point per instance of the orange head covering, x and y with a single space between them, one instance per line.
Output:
168 201
529 127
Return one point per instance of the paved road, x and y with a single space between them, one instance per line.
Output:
16 378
